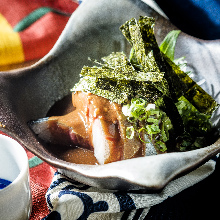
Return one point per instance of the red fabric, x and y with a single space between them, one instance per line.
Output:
39 38
16 10
40 180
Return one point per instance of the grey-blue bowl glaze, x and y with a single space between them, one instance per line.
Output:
93 31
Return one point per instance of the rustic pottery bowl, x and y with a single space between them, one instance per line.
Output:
93 31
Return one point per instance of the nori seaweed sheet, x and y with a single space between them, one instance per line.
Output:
148 73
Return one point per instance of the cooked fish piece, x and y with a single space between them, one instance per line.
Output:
96 124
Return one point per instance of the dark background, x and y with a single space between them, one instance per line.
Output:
199 18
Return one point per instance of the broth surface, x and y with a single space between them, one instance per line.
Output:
71 154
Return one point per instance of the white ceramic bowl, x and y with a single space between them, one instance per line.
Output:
15 199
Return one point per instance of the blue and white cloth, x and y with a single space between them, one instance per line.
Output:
71 200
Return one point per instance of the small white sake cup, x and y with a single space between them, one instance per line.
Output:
15 199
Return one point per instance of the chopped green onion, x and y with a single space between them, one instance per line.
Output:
130 132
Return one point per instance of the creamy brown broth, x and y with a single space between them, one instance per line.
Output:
71 154
64 108
89 108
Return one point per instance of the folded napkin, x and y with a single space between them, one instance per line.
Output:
70 200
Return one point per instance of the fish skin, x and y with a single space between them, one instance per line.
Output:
51 131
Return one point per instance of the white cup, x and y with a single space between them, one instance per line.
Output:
15 199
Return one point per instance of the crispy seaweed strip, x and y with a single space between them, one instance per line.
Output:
145 54
141 36
166 104
130 88
200 99
117 80
116 59
150 75
119 91
118 74
142 54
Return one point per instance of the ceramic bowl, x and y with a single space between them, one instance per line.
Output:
93 31
15 198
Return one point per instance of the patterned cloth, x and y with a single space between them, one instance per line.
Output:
29 29
71 200
41 175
